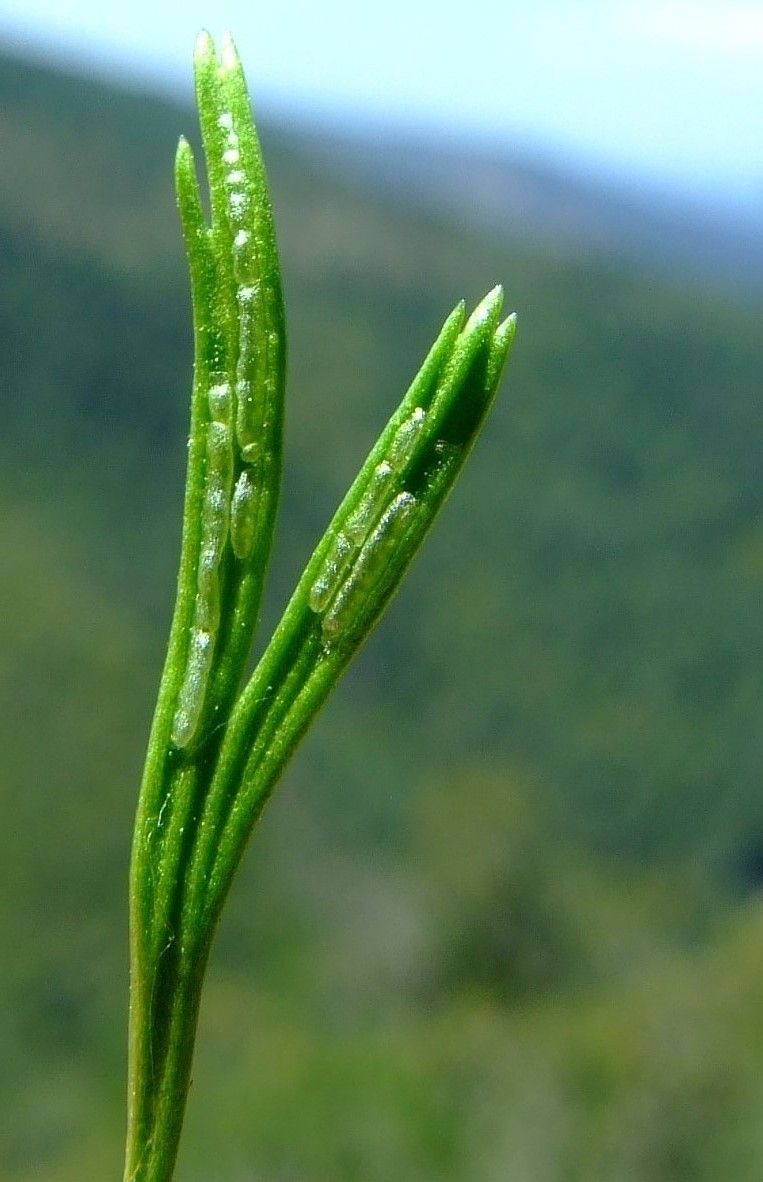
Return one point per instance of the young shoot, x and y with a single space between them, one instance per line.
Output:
217 750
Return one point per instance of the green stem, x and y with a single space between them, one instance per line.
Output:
160 1056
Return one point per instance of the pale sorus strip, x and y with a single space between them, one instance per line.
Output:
216 751
242 327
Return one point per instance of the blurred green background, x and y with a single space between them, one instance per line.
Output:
502 921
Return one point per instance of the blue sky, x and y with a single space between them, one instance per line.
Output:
666 92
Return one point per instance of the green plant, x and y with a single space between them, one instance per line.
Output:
216 751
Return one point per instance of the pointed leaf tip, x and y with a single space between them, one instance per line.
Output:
503 339
204 49
487 311
185 162
507 328
229 58
457 319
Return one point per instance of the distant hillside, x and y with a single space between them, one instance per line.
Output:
507 193
553 207
607 595
497 877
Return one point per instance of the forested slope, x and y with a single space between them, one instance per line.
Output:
526 836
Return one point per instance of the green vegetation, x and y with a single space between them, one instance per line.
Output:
217 750
509 933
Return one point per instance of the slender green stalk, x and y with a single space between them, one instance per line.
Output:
216 751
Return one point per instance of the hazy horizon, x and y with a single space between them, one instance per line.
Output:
662 98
